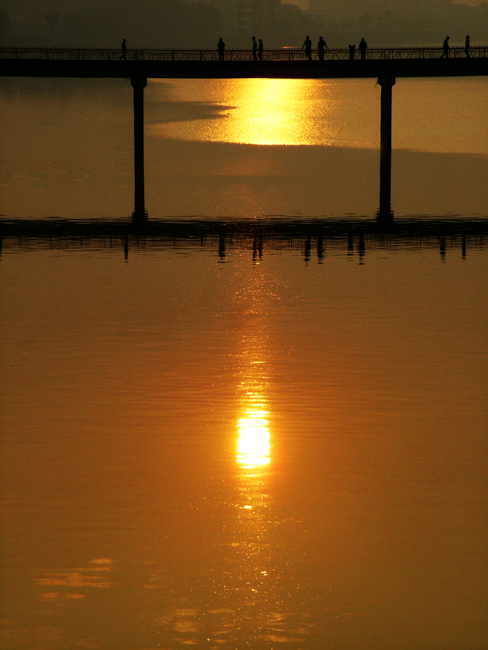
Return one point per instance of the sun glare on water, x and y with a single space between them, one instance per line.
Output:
253 442
260 112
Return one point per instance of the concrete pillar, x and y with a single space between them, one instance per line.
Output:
138 84
386 82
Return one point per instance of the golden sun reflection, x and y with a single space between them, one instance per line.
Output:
253 442
260 112
269 112
253 415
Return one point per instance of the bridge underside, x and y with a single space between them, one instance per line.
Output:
245 69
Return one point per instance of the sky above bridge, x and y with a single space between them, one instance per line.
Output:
178 24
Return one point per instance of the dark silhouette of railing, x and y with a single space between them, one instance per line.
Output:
283 54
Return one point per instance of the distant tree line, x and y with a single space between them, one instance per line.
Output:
178 24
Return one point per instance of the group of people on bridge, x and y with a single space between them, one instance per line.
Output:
258 48
446 47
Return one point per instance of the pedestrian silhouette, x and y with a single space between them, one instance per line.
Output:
254 48
260 49
221 49
322 45
307 44
363 46
445 48
352 52
124 51
467 45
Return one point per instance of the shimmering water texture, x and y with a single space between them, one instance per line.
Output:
279 446
258 421
430 115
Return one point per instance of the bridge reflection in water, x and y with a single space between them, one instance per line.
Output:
313 237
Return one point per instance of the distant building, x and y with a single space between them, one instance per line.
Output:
247 16
340 9
30 22
301 4
26 10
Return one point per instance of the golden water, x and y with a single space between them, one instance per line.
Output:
250 450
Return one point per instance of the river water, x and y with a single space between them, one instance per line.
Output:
262 443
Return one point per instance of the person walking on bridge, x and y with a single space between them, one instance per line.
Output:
254 48
260 49
467 45
445 48
322 45
124 51
363 46
307 44
221 49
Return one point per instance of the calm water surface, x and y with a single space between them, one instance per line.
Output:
276 447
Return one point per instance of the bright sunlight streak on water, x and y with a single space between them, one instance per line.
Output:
263 112
270 112
326 112
253 443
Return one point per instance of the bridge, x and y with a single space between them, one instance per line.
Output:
384 64
285 63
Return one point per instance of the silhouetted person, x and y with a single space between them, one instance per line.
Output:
363 46
445 48
352 52
254 48
307 44
260 49
221 49
322 45
124 51
467 45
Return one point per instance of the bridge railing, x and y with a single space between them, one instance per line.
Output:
283 54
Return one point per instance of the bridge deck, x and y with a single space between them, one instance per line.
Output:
283 64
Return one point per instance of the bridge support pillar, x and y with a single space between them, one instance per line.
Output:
386 82
138 84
